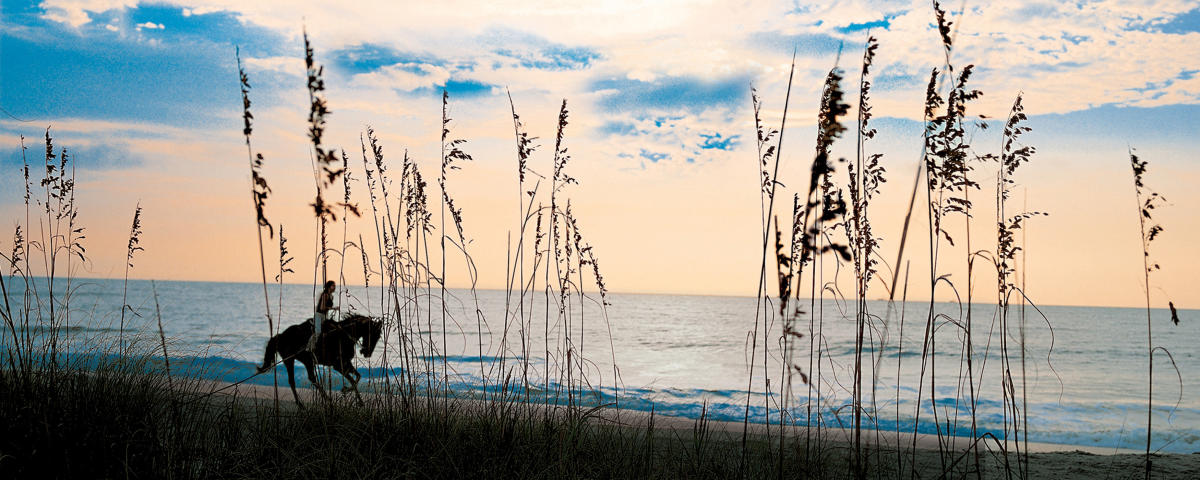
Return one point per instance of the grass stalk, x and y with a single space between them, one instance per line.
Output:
259 191
135 232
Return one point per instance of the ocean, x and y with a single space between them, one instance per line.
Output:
1084 380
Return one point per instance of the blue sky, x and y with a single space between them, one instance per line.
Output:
170 62
659 93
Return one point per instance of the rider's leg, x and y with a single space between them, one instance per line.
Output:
318 319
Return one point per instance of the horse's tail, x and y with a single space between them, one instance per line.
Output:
269 355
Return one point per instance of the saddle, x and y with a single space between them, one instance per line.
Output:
328 327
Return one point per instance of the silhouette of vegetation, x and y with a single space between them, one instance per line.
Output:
550 410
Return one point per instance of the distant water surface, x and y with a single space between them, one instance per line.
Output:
679 353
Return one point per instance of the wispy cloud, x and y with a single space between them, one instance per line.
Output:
691 94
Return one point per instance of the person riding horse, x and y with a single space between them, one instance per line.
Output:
324 306
336 349
324 341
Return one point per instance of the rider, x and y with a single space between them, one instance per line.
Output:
324 306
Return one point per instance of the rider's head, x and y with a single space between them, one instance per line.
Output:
329 286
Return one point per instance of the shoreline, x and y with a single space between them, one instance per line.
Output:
1045 460
508 439
639 418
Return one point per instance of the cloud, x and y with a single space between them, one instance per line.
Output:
671 94
77 13
555 57
368 57
669 57
663 140
86 155
653 157
405 77
288 65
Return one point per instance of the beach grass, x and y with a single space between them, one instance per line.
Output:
129 415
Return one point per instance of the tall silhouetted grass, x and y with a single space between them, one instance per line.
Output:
1147 201
135 233
831 218
259 190
143 414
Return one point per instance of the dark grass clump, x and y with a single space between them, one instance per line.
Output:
126 419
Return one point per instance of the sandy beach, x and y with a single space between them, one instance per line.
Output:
1046 460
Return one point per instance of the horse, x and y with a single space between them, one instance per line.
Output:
334 348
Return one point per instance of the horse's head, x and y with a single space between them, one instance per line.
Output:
371 337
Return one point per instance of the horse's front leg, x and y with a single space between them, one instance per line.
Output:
310 364
350 374
352 377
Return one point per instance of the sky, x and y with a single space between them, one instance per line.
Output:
661 131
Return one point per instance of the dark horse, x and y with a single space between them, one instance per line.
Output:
335 348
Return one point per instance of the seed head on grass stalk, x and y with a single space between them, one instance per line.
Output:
417 215
560 180
451 153
58 189
587 252
450 160
587 257
76 236
328 170
767 184
348 208
135 233
949 151
18 253
285 258
525 149
1013 155
28 195
1148 200
260 189
50 180
947 181
525 145
865 176
14 261
764 136
824 198
25 170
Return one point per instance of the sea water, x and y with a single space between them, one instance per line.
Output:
1081 377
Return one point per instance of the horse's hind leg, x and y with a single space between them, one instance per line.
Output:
269 355
290 364
310 364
